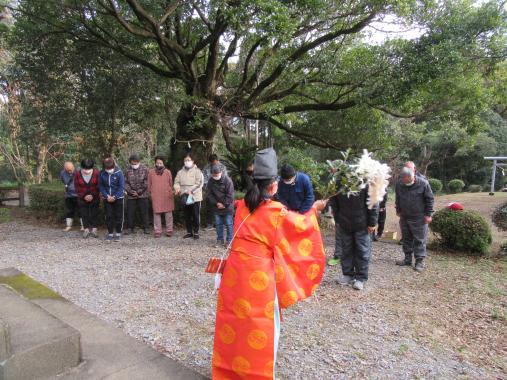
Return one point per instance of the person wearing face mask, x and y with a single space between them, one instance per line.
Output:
206 172
86 183
136 187
160 188
414 206
295 190
112 191
276 259
71 206
220 197
188 184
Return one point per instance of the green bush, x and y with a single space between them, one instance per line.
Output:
436 185
239 195
475 188
465 231
5 215
456 186
47 200
500 217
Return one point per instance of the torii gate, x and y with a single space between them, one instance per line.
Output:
501 163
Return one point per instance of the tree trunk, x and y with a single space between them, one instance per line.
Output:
194 134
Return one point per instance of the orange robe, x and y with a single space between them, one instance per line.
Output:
277 258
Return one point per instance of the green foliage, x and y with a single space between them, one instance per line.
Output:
436 185
499 217
318 172
465 231
237 162
456 186
5 215
47 200
475 188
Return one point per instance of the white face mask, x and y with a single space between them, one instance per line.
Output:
217 177
189 164
87 171
110 171
136 166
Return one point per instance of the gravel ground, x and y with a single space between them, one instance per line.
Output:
156 290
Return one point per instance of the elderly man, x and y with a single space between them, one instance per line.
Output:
136 187
71 206
414 206
295 190
206 172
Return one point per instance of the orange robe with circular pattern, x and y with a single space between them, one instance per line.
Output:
277 258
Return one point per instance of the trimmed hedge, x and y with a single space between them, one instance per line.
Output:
475 188
456 186
436 185
47 200
465 231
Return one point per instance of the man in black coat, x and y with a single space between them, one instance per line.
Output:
220 197
356 222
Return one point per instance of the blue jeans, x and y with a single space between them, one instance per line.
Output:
222 221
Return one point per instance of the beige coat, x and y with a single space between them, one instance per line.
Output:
190 179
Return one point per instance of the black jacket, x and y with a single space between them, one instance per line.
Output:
352 213
415 201
221 191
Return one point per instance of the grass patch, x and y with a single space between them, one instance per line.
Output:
28 287
5 215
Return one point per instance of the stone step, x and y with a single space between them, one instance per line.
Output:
37 344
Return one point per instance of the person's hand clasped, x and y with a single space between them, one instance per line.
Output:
88 198
110 198
220 206
428 219
320 205
371 229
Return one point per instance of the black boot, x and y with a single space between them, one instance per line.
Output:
407 261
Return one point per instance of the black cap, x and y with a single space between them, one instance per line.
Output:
108 163
265 164
287 172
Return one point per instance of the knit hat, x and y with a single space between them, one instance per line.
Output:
265 164
287 172
134 157
215 169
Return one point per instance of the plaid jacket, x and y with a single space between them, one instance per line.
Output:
136 180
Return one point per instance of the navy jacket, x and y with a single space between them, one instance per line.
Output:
68 180
298 196
112 184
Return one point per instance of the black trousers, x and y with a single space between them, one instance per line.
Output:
71 208
192 217
89 213
132 206
356 254
381 222
114 215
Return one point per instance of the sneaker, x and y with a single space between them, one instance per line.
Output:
146 231
345 280
157 234
86 233
94 233
358 285
196 236
109 238
117 238
219 244
404 262
419 266
332 262
188 236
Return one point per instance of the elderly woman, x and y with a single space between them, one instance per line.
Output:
276 259
86 182
112 190
71 206
188 184
160 188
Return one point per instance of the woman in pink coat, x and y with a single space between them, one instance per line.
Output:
160 188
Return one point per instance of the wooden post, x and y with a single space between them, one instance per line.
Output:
21 190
